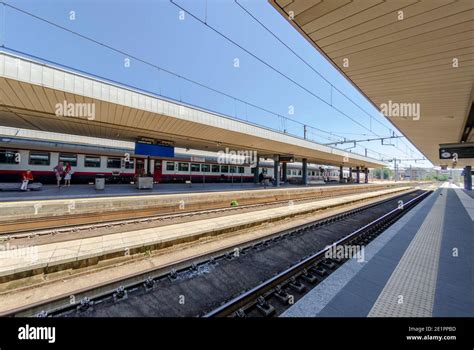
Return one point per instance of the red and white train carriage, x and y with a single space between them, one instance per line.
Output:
121 165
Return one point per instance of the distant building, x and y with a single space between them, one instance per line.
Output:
416 174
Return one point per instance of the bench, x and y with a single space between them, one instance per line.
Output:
316 182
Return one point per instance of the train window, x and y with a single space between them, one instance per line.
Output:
288 172
130 164
205 168
9 157
39 158
299 172
294 172
241 170
215 168
195 167
170 166
183 166
91 162
114 163
224 168
68 158
233 169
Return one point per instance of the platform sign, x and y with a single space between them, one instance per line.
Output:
146 140
460 150
198 159
145 149
287 159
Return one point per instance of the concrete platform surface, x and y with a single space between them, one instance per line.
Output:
422 266
118 190
17 262
35 208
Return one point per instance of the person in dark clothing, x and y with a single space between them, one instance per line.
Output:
261 177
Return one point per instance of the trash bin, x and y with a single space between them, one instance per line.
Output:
99 181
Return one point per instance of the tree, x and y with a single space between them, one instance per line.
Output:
382 174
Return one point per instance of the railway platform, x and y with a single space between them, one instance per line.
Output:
23 262
106 208
52 192
117 190
422 266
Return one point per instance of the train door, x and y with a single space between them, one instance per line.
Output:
140 166
158 171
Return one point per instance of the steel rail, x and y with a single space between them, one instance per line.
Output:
248 299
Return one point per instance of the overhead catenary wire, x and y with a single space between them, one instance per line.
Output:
307 63
205 23
319 74
160 68
269 66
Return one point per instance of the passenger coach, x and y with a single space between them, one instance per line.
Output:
121 165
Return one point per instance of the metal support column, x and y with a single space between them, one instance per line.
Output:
284 170
350 174
305 171
148 166
256 171
468 178
341 173
358 174
366 172
276 170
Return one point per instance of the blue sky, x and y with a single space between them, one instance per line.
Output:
153 31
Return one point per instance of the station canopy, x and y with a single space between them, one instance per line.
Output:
414 60
37 96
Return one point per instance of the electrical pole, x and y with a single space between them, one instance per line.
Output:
396 168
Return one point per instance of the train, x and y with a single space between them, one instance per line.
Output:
122 165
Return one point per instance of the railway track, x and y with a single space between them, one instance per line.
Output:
256 279
86 222
260 299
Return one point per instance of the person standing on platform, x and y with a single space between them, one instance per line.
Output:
59 171
27 177
261 177
68 174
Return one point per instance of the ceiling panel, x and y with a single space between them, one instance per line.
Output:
30 105
402 61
